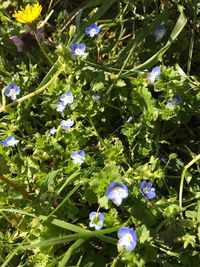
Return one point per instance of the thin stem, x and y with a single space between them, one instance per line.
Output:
96 132
42 49
192 39
182 179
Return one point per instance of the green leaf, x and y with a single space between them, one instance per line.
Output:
144 234
198 212
90 196
142 97
50 177
70 251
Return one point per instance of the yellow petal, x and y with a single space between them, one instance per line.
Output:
28 14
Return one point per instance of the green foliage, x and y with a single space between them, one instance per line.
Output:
135 130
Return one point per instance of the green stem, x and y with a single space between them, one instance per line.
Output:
42 49
96 132
70 252
3 97
38 91
182 179
192 39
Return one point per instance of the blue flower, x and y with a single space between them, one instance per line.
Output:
128 238
78 49
52 131
147 190
67 98
66 124
116 192
155 73
130 119
78 157
163 158
60 106
96 220
160 32
96 96
92 30
12 91
9 141
176 99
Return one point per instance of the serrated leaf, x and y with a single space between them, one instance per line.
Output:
103 202
143 98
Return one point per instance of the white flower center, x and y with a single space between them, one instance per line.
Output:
146 190
12 91
78 52
129 237
93 32
119 191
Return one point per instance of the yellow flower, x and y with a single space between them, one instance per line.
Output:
28 14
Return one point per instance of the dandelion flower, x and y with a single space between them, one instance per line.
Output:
29 14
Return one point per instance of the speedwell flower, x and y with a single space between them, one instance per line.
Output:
9 141
28 14
116 192
60 106
163 158
78 49
78 157
12 91
96 96
155 73
96 220
92 30
176 99
147 190
127 238
160 32
52 131
67 98
66 124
